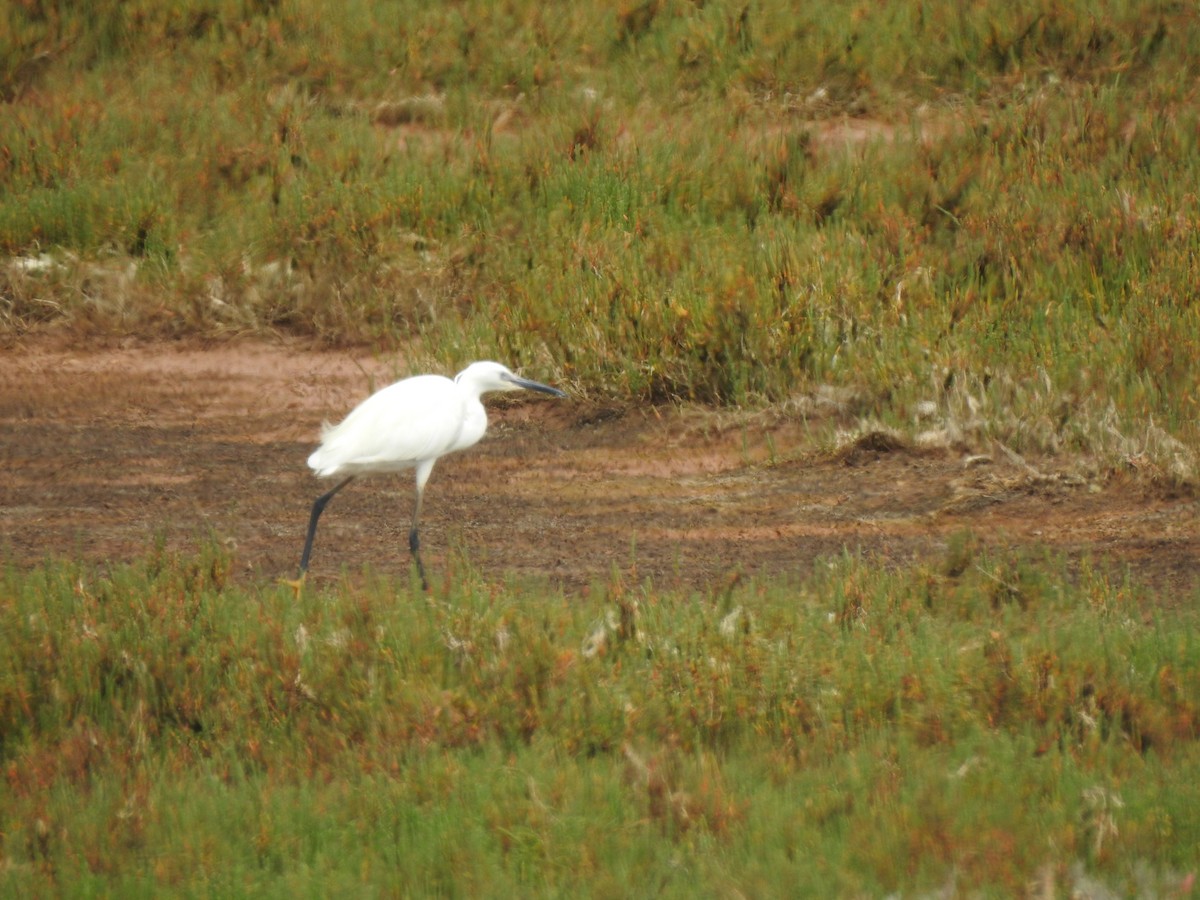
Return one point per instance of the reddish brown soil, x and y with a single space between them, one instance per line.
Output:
105 450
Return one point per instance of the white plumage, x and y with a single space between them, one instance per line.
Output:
409 425
398 427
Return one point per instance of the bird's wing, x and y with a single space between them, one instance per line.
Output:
396 427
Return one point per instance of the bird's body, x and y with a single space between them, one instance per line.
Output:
409 425
401 426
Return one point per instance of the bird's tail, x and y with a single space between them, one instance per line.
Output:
316 461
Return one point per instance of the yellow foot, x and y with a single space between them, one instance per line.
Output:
296 584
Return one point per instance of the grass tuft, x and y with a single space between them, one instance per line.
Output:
985 720
659 201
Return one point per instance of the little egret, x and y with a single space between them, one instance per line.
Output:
408 425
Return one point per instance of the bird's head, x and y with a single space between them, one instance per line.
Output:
491 376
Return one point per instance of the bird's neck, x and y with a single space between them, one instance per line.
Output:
474 424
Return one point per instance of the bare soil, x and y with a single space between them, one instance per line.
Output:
106 450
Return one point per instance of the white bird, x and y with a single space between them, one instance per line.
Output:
408 425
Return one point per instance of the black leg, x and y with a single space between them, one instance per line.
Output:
414 538
414 546
318 507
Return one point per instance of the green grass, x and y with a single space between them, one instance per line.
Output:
649 202
851 732
645 201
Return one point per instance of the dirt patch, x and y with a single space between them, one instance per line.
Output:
103 451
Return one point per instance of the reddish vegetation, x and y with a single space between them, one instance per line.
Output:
104 449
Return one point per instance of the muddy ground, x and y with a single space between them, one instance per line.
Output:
103 450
